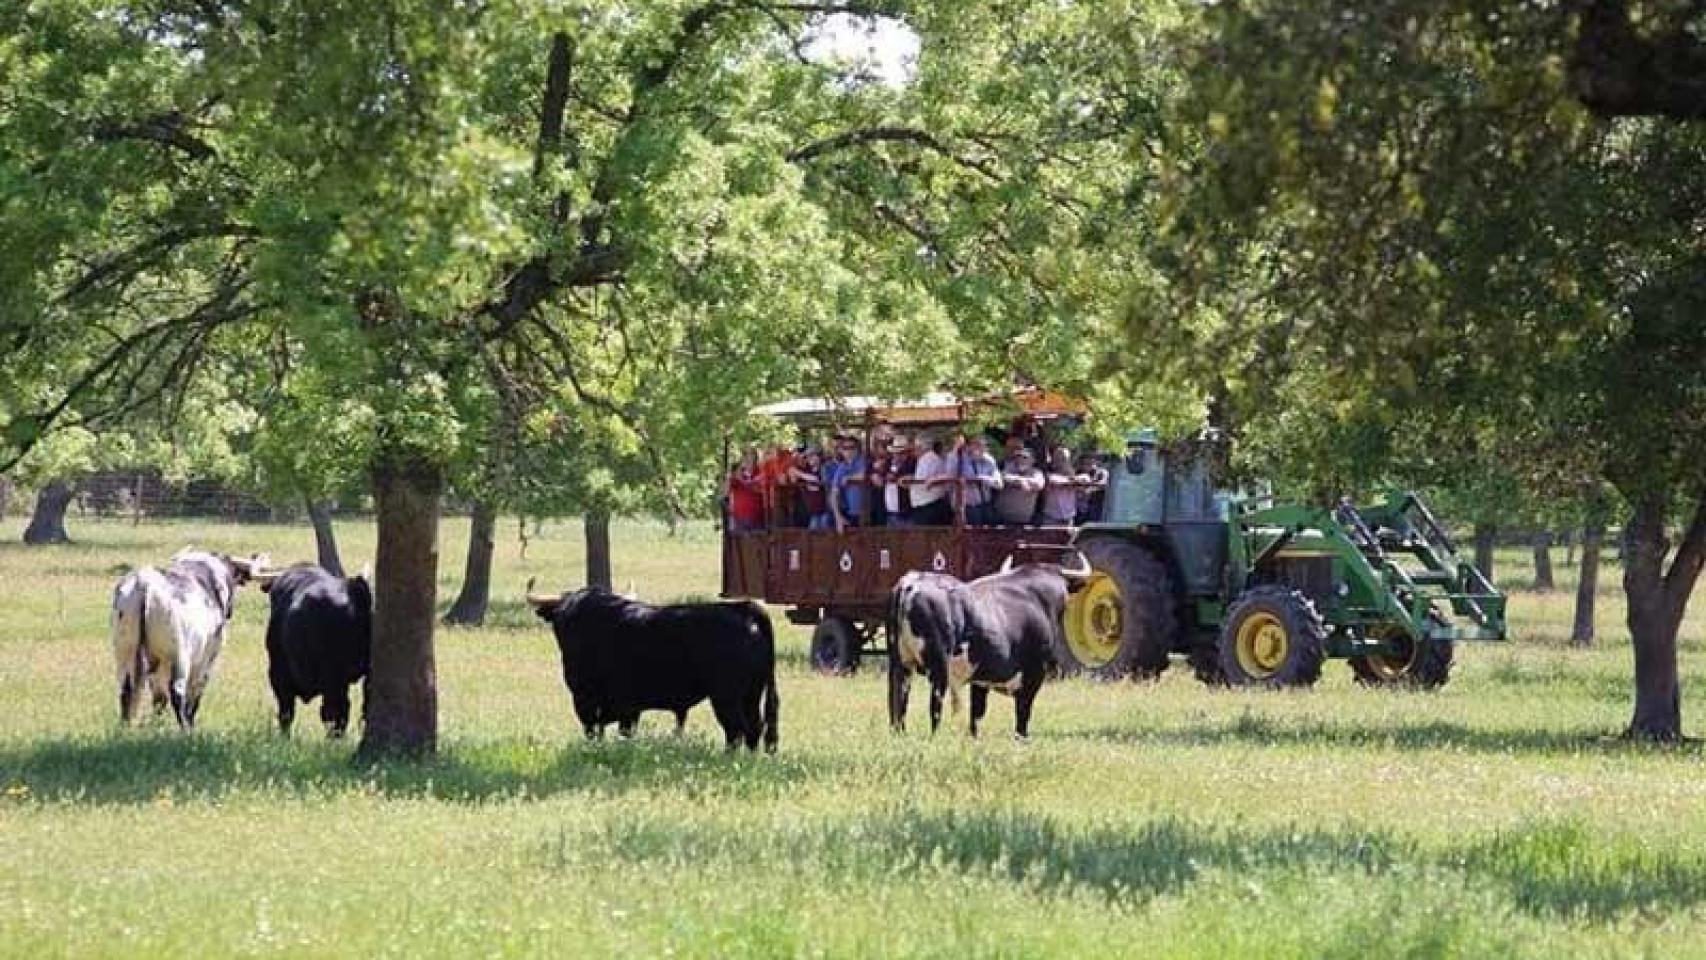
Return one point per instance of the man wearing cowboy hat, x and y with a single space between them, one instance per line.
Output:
897 473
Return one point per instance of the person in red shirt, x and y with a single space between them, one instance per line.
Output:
777 473
746 495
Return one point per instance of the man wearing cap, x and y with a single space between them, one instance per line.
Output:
1021 484
980 479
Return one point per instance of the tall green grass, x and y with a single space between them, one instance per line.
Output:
1496 817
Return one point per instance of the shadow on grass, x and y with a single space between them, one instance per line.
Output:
1549 870
1430 735
141 767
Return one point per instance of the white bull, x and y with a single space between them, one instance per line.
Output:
168 626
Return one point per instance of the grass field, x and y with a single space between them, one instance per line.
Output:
1490 818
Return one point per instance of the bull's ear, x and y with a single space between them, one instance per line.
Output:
247 569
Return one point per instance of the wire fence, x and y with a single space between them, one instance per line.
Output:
141 495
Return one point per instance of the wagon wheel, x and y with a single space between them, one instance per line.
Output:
835 646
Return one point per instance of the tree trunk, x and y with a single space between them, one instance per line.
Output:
5 496
470 606
1543 580
597 523
325 538
47 524
1657 602
1485 534
401 702
1587 587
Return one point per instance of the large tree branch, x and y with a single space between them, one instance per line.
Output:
1690 556
553 103
125 264
166 129
127 363
1618 69
870 135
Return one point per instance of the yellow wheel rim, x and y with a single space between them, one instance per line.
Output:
1262 645
1095 618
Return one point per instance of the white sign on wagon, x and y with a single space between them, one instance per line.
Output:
938 563
846 563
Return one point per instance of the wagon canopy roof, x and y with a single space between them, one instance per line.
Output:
932 408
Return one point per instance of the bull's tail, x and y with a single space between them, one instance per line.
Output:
130 644
772 703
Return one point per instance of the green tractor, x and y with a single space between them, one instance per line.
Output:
1261 595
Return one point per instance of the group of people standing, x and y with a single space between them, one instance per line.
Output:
930 479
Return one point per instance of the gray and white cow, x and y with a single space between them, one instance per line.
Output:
168 626
995 633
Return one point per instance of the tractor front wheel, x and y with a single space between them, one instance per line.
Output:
1273 637
1411 665
835 646
1121 623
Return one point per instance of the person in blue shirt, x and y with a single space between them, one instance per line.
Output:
848 483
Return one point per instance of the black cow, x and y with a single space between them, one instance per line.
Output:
998 632
319 642
621 656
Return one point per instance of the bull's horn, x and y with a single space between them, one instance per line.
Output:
540 599
366 572
1081 571
631 593
1007 564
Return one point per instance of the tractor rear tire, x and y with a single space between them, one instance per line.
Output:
835 647
1423 666
1273 637
1124 622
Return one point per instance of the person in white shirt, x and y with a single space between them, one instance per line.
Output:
1021 483
1060 498
933 482
980 479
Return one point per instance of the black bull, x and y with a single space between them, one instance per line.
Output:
997 632
621 657
319 642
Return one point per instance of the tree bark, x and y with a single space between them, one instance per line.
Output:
597 523
401 701
1657 601
47 523
1543 580
5 496
325 538
1485 535
1587 587
470 606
